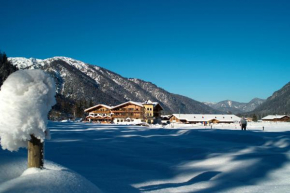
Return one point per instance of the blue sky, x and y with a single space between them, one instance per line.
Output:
206 50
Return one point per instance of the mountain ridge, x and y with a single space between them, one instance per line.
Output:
78 80
229 106
277 103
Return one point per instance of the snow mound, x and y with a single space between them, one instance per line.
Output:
30 171
26 97
54 178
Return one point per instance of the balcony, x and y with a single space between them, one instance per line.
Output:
127 111
102 112
100 118
128 116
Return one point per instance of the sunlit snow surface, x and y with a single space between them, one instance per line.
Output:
179 158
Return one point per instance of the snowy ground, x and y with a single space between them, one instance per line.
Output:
178 158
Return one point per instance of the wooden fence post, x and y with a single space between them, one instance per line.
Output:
35 153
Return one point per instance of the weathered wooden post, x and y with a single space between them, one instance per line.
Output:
35 153
24 111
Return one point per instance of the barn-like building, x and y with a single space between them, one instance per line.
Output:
204 118
276 118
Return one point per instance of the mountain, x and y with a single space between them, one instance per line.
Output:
253 104
228 106
278 103
77 80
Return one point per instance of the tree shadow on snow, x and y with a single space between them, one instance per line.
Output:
119 159
205 176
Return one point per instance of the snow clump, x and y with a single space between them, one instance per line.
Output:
26 97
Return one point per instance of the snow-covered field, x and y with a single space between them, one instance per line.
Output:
177 158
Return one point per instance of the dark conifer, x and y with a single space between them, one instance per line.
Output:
6 68
255 118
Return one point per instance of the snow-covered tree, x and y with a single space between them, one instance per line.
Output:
26 97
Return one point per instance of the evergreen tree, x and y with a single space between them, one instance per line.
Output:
91 103
6 68
255 118
78 108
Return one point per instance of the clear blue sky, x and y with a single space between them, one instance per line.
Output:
207 50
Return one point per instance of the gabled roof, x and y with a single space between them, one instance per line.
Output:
129 102
274 117
152 103
207 117
157 104
99 105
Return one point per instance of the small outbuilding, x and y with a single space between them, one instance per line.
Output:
276 118
204 118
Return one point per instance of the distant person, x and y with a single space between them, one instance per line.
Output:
243 123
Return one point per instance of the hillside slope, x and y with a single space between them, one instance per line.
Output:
278 103
77 80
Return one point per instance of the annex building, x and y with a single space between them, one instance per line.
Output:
276 118
204 118
126 112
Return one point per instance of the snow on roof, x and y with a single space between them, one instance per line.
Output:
106 106
132 102
148 102
166 116
207 117
128 102
274 117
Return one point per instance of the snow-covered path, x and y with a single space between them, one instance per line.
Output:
192 159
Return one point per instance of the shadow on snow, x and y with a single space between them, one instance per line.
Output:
116 158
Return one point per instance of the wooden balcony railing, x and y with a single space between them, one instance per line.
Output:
128 116
101 112
127 111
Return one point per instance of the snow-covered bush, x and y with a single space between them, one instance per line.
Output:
26 97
